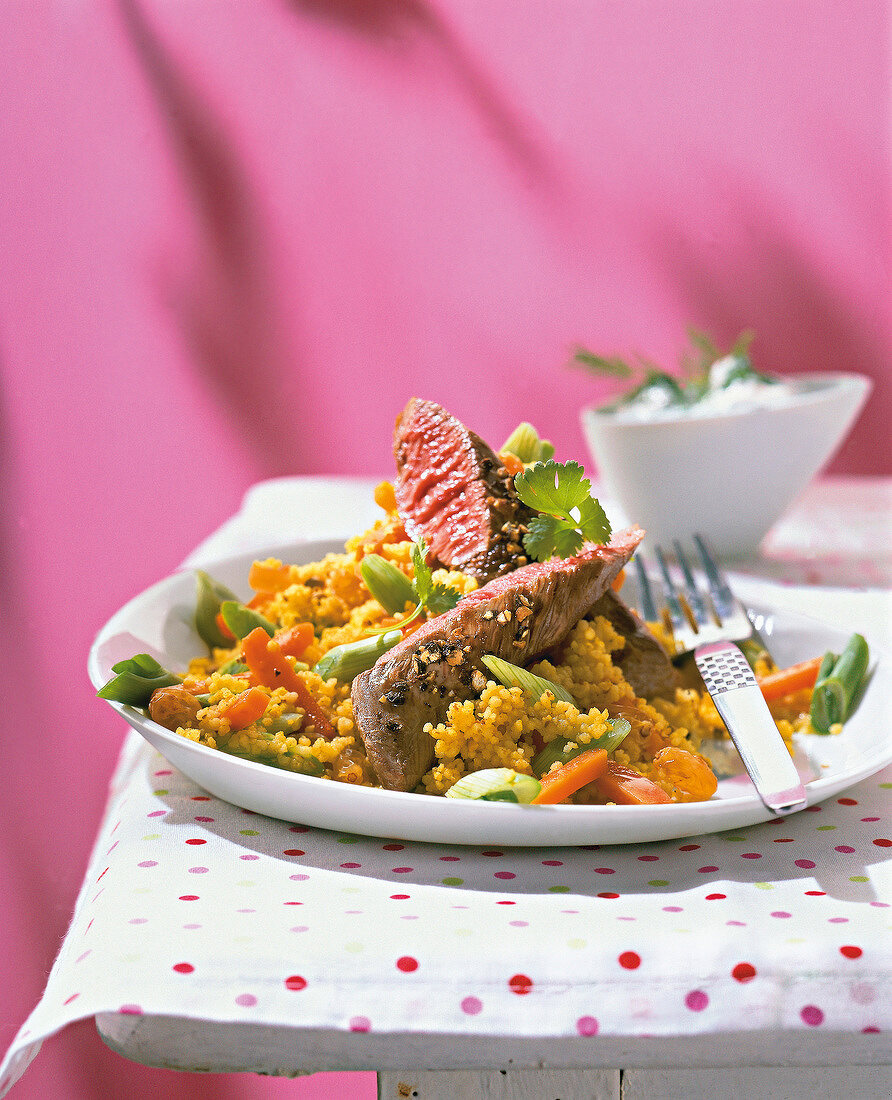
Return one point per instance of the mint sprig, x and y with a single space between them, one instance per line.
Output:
568 514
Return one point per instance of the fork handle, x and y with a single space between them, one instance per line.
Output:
739 700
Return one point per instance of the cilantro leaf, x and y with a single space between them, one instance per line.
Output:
442 597
433 597
568 514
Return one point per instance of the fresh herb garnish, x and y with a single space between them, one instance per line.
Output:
392 589
568 514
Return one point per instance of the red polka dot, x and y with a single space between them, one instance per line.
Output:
493 853
520 984
716 897
608 894
743 972
400 897
195 797
183 968
689 847
847 801
816 893
506 903
196 840
629 960
293 852
188 897
295 982
883 842
393 847
805 864
130 1010
851 952
407 964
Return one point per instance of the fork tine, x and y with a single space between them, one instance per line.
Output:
719 589
673 602
648 605
692 592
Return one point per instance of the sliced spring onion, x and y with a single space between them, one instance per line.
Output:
534 686
839 682
136 679
242 620
496 785
524 442
210 595
345 662
558 750
388 584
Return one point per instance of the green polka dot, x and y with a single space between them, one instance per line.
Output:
735 838
152 836
464 932
452 881
796 941
559 889
658 882
577 944
248 832
160 792
348 839
764 885
350 890
885 786
354 948
859 878
246 882
825 828
130 958
242 939
142 889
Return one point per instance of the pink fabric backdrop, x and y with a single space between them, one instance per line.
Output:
237 236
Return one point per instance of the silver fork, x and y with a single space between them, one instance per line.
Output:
712 624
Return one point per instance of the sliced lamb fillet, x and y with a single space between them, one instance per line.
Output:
644 662
517 617
452 489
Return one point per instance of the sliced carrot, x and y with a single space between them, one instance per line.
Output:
269 666
618 581
511 462
801 677
247 707
582 769
295 641
259 599
627 787
269 576
385 497
223 628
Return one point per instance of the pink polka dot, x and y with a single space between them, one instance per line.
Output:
629 960
138 920
167 771
350 866
604 871
249 857
130 1010
393 847
812 1016
157 813
780 914
519 923
587 1026
198 870
806 864
451 859
183 968
204 819
743 972
644 859
73 997
471 1006
360 1023
696 1000
846 849
520 984
298 878
850 951
750 855
863 993
407 964
402 870
552 863
707 870
295 982
148 863
504 874
672 909
246 1000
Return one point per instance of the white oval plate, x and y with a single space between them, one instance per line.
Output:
160 622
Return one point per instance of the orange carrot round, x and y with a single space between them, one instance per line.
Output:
801 677
269 576
558 785
247 707
296 639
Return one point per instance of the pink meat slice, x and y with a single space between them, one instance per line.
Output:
518 617
452 490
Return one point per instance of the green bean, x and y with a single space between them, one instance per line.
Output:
136 679
346 661
838 683
242 620
210 597
389 585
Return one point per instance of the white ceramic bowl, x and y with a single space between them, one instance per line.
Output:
731 476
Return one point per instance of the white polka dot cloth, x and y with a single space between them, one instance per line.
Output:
193 907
